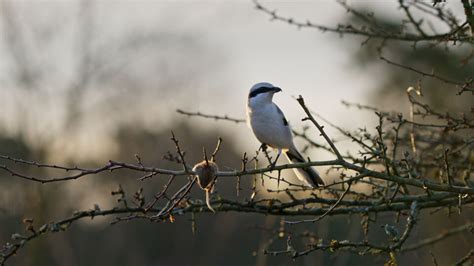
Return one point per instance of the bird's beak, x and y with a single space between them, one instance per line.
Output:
276 89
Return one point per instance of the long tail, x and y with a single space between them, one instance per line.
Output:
308 175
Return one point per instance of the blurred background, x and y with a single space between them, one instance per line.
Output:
82 82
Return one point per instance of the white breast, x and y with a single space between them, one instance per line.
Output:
268 125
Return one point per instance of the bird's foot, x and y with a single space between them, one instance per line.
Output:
272 164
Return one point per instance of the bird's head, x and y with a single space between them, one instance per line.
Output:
262 91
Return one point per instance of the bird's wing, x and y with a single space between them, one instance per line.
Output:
295 156
285 122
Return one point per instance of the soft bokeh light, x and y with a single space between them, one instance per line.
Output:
83 82
201 56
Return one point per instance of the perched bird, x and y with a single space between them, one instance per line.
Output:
272 129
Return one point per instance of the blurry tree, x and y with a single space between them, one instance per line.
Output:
450 60
406 196
63 63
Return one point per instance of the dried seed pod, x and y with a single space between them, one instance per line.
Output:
206 173
206 176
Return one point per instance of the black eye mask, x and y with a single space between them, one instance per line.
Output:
263 90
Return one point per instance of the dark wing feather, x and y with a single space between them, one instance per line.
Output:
285 122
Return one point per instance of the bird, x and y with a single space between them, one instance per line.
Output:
271 128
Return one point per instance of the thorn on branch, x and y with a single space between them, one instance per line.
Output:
216 150
179 151
320 128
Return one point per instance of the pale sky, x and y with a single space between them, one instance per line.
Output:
237 47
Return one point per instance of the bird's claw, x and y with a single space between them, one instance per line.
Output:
272 164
